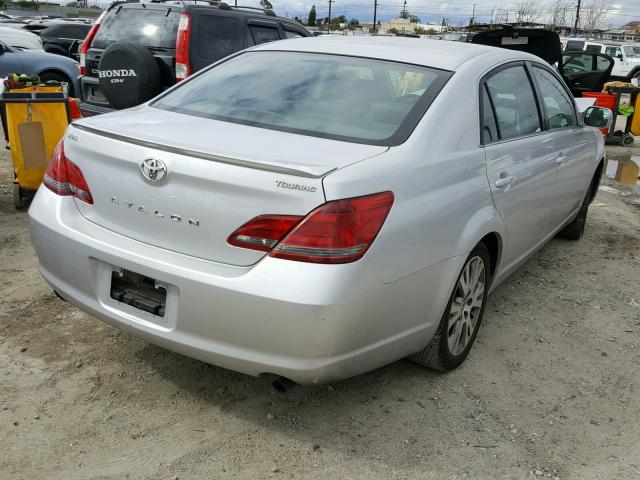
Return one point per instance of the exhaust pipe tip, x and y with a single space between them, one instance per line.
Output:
283 385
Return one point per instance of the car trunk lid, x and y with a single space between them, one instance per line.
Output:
542 43
216 179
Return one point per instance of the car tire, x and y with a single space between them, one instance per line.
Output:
444 352
58 77
575 229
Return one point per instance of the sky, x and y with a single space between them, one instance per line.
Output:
458 12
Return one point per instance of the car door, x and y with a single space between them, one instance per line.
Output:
573 150
10 61
585 71
520 159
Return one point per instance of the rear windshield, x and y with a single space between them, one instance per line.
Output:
143 26
330 96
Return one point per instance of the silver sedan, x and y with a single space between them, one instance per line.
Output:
317 208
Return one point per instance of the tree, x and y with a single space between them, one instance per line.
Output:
311 21
594 14
266 4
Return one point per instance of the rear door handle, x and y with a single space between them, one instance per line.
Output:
503 182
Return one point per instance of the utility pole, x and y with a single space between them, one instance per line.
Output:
473 15
329 22
577 24
375 15
404 9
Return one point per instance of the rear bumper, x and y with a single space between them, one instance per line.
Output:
310 323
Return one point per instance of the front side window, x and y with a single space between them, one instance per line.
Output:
584 62
558 105
264 34
329 96
292 34
613 51
514 103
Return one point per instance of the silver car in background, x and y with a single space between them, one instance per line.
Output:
317 208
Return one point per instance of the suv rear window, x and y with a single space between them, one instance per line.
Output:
351 99
144 26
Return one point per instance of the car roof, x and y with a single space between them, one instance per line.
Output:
191 5
440 54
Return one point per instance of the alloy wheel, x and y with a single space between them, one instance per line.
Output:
466 306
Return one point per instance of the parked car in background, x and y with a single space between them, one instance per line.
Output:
315 208
626 57
137 50
64 38
47 66
12 23
20 39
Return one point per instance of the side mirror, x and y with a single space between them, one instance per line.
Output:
620 56
598 117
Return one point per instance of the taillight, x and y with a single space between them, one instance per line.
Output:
64 177
183 66
340 231
86 44
263 232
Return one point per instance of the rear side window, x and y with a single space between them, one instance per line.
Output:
490 132
77 32
329 96
593 48
264 34
514 102
145 26
216 37
557 104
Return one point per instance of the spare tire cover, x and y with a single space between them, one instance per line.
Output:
129 75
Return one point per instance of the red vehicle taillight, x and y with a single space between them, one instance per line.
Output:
340 231
183 66
86 44
65 177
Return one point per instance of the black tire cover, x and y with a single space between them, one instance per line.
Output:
129 75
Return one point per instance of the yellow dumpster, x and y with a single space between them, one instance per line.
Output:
36 119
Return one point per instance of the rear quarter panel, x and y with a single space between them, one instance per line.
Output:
442 205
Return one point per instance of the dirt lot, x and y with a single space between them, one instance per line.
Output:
550 389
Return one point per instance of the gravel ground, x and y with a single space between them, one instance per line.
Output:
549 390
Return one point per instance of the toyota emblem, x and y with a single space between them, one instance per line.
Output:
153 170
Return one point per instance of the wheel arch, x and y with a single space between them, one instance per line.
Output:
633 73
486 226
60 72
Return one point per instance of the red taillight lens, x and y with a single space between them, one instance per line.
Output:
263 232
340 231
65 177
183 66
86 44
